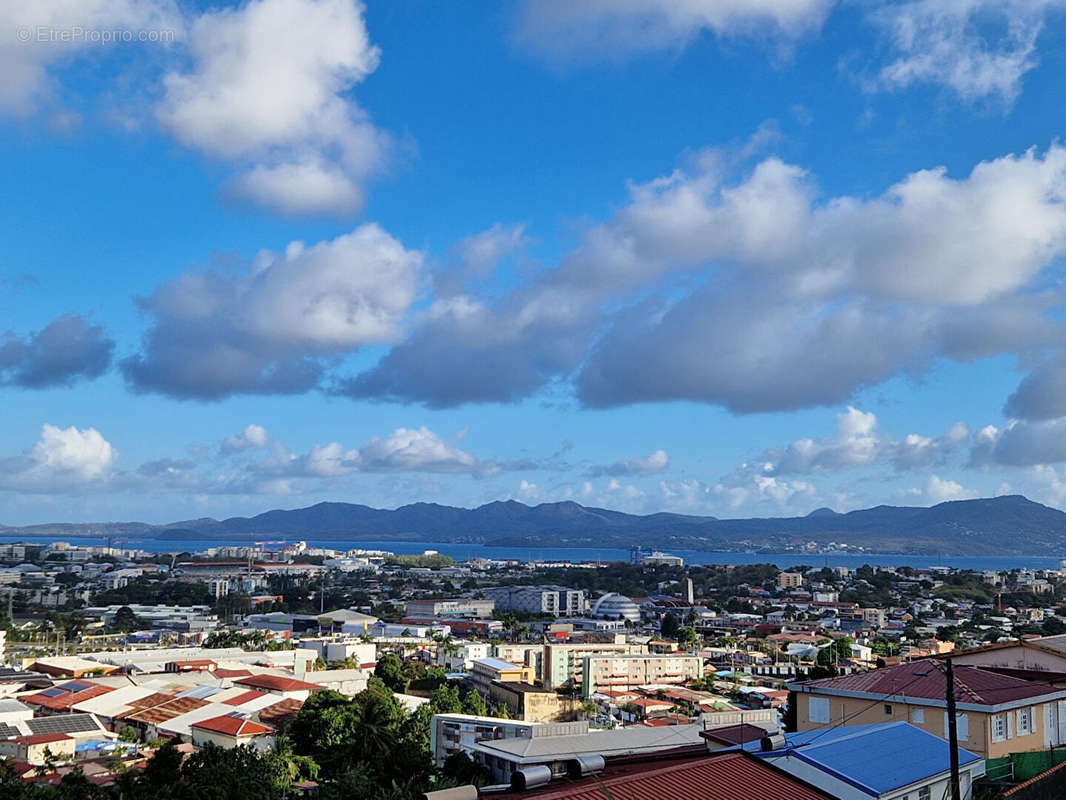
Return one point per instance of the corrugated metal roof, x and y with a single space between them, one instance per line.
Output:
926 680
904 754
733 776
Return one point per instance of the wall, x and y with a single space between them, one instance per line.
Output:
865 712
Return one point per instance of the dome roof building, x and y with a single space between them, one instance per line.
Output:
616 606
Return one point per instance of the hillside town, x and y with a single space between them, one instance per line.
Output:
526 679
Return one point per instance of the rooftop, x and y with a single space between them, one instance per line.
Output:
618 742
905 754
232 725
727 776
925 680
277 683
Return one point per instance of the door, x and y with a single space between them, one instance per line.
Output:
1051 725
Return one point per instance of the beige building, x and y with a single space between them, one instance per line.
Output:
483 671
563 664
997 714
232 730
620 672
789 580
530 704
36 749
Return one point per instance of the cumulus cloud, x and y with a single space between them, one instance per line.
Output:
562 30
253 436
28 60
859 442
979 49
797 301
267 88
269 327
1020 443
650 464
939 490
63 459
65 351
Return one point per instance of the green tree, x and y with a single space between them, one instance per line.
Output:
670 626
128 734
390 670
686 636
474 704
445 700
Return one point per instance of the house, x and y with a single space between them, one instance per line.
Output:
232 730
997 714
13 712
1042 659
39 748
909 763
62 697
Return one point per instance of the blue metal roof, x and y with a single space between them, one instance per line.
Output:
874 758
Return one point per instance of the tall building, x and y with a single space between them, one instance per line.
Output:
563 663
690 592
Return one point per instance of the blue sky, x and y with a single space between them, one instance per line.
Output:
745 258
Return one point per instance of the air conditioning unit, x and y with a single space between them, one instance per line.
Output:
529 777
583 766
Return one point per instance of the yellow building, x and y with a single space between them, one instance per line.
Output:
996 714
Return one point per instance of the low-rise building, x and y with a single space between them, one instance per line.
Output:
484 671
562 665
532 704
628 671
997 714
232 730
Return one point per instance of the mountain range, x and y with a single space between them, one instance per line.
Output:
1006 525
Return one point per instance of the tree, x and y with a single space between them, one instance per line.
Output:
239 773
125 620
128 734
445 700
474 704
670 626
390 670
686 636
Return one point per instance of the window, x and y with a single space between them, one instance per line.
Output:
925 793
999 727
962 726
1026 723
888 709
818 709
918 716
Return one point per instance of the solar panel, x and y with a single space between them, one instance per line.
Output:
77 686
63 723
6 731
55 691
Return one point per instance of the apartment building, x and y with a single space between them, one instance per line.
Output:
789 580
555 600
457 733
483 671
458 607
563 664
617 672
996 714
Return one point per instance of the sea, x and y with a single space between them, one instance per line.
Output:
461 551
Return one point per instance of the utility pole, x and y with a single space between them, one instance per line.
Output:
953 731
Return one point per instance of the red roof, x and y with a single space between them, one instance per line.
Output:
278 683
731 776
926 680
70 694
231 725
232 673
240 699
42 738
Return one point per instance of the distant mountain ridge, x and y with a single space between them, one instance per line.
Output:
1007 525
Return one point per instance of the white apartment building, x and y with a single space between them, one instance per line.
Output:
556 600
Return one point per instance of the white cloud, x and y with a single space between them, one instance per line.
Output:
415 449
266 328
267 88
29 52
800 300
859 442
939 490
63 459
650 464
580 29
253 436
979 49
